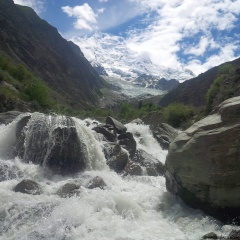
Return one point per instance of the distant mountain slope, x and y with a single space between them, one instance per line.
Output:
193 91
35 43
118 60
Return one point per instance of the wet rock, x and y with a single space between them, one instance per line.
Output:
153 166
234 235
133 169
127 141
138 121
107 133
29 187
7 117
164 134
20 136
203 163
118 126
97 182
69 190
210 235
67 152
116 157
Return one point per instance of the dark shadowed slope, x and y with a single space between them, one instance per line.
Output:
193 91
32 41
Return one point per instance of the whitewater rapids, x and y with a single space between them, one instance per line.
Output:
130 208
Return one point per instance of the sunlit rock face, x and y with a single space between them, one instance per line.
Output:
203 164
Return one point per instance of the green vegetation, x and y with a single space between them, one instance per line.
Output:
212 92
178 114
226 68
18 85
128 112
223 87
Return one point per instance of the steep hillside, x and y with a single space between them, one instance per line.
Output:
32 41
193 92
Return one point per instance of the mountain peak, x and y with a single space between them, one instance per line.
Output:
113 54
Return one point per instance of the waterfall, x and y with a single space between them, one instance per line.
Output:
127 208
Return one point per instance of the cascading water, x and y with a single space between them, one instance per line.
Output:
129 208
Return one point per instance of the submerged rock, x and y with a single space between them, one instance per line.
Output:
210 235
133 169
69 190
97 182
29 187
203 164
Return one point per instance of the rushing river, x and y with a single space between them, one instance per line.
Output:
130 208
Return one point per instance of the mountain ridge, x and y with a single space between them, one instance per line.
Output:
112 53
30 40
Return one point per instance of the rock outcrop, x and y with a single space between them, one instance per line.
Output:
28 186
203 164
164 134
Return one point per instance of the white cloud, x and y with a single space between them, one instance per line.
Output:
37 5
200 49
84 14
178 22
102 1
226 54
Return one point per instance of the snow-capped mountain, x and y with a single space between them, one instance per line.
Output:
111 53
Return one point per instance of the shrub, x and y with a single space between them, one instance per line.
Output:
226 68
177 113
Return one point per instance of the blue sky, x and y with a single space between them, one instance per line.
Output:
196 35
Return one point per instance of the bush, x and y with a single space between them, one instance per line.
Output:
177 113
226 68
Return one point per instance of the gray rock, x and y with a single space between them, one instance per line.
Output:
210 235
69 190
29 187
133 169
107 133
138 121
164 134
7 117
153 166
116 157
127 141
97 182
203 164
118 126
67 153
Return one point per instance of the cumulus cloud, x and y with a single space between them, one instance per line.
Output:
182 30
37 5
84 15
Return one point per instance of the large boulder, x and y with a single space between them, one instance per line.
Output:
118 126
116 157
107 132
203 164
152 165
127 141
67 152
164 134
